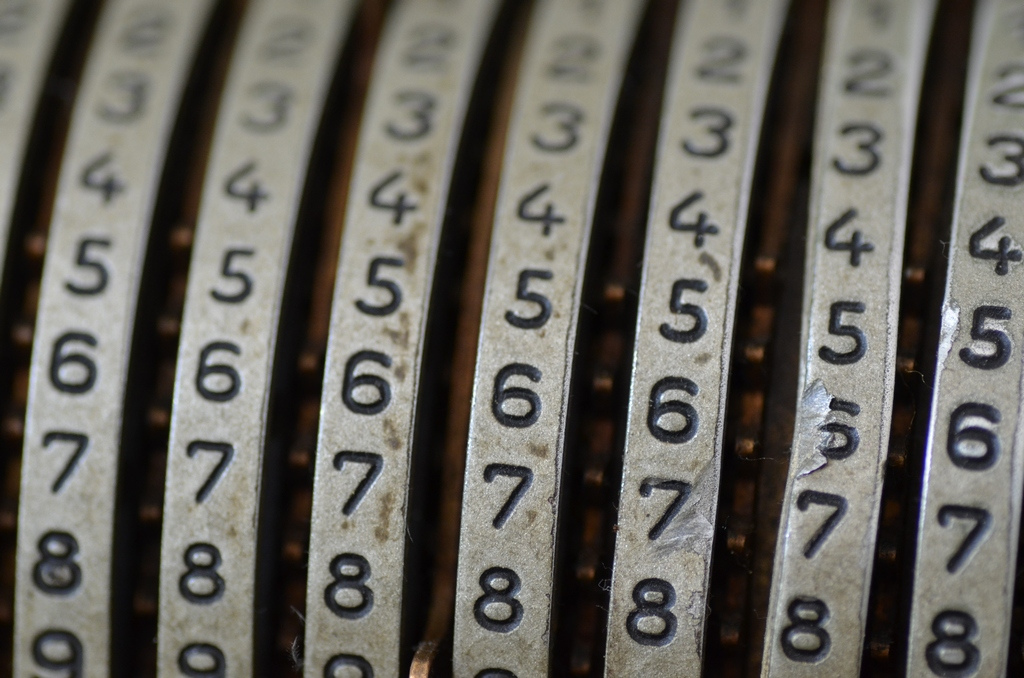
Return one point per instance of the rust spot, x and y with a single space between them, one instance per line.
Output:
539 451
392 439
382 530
702 358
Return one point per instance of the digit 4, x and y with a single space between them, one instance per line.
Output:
1002 254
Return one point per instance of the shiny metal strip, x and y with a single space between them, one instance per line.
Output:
421 86
868 101
971 499
281 71
576 55
721 65
111 171
29 31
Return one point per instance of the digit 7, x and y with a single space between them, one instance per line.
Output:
525 475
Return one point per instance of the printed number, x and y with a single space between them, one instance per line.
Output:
503 394
807 616
72 373
421 106
495 673
148 29
525 476
660 408
523 293
1010 90
973 448
240 185
133 91
997 337
100 274
244 285
724 54
201 584
57 572
503 597
837 328
353 381
276 100
289 37
347 595
676 305
81 444
838 505
952 654
1016 159
831 448
870 136
375 462
573 56
399 205
227 454
58 650
982 520
700 228
348 661
98 176
1005 252
548 218
373 279
718 123
430 47
568 119
202 660
654 599
856 245
682 490
870 67
218 382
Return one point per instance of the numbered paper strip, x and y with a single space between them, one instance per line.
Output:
575 57
427 65
871 83
29 31
281 71
721 65
971 500
111 170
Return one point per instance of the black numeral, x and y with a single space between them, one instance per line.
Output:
430 47
838 505
525 476
653 598
997 337
98 176
659 408
421 107
870 68
1015 158
837 328
1010 90
80 380
57 571
676 305
100 275
856 245
218 382
503 597
353 381
548 218
963 442
348 661
952 654
1003 254
276 99
241 186
870 136
718 123
375 464
80 443
682 490
226 452
982 520
373 279
202 660
350 573
399 205
503 394
833 448
201 584
58 650
807 616
133 91
243 287
523 293
700 228
568 118
573 56
723 55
